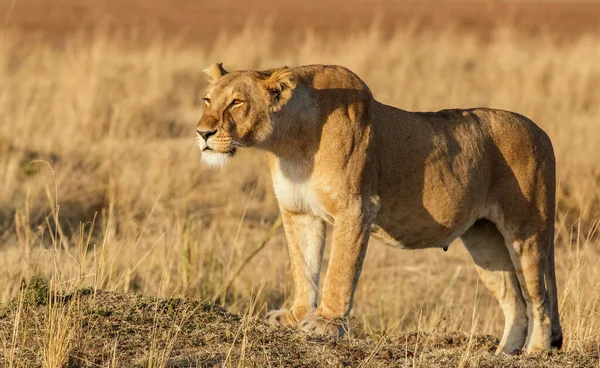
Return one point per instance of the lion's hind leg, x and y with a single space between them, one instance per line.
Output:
530 257
496 270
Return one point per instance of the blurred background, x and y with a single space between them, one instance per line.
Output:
101 183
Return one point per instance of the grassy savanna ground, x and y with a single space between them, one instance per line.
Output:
101 187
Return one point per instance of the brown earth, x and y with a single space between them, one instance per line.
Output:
115 329
204 20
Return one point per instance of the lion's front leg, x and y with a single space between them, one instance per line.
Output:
305 235
350 239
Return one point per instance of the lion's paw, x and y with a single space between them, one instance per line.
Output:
317 324
281 317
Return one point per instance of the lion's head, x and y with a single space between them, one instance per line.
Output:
238 110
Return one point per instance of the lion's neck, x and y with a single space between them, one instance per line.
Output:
296 130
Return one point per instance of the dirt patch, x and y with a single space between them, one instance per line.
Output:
113 329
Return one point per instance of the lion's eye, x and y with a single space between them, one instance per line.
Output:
236 102
206 100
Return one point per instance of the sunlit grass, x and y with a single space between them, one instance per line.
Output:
128 207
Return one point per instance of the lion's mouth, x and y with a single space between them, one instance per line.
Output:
216 156
230 152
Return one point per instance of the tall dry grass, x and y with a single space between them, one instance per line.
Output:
127 205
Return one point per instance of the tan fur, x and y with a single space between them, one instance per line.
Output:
410 179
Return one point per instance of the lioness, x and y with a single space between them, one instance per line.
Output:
410 179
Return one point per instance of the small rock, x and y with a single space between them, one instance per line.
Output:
359 355
386 354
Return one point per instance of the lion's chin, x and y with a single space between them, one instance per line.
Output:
215 159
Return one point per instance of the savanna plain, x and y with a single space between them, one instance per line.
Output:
118 248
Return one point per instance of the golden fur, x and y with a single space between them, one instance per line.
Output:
409 179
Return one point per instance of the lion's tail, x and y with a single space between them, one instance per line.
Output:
552 298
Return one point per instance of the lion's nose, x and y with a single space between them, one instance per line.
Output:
205 134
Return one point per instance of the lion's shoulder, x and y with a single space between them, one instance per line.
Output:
330 77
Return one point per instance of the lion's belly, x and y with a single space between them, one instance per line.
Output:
406 237
441 210
418 230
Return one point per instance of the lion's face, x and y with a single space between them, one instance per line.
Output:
238 110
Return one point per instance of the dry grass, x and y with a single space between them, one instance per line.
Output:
128 207
202 21
132 330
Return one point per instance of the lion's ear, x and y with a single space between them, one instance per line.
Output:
214 72
280 86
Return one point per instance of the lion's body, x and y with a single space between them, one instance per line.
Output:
458 166
411 180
